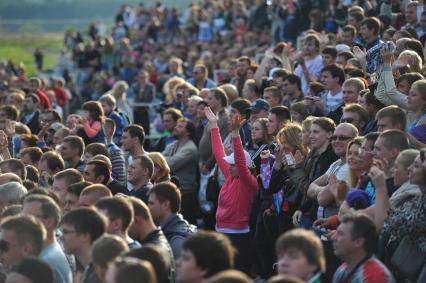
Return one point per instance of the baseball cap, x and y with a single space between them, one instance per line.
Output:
230 159
357 199
259 105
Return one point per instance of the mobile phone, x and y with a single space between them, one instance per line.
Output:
290 159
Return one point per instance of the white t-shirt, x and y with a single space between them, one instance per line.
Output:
334 101
340 169
314 67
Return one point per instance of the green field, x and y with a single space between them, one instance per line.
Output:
20 48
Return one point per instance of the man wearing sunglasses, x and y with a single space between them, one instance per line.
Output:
21 236
339 170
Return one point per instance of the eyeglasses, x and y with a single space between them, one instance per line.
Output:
348 120
340 138
6 246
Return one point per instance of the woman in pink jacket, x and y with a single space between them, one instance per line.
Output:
237 193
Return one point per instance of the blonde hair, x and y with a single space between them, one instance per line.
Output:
307 123
169 87
161 162
291 134
415 60
178 62
120 95
231 91
108 99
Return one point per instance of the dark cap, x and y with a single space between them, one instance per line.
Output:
259 105
357 199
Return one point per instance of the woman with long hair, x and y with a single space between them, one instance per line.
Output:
315 164
93 121
280 192
259 141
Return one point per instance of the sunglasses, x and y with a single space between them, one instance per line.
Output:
340 138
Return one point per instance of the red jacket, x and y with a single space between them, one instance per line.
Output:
236 195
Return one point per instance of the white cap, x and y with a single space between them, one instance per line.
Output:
343 48
271 73
230 159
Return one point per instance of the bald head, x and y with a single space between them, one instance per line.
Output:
342 135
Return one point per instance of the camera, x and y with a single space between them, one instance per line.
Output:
389 45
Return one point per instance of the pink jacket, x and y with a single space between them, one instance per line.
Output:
236 195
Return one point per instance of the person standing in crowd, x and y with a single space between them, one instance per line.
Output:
164 204
182 158
331 63
238 191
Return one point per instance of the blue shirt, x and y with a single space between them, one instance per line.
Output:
55 257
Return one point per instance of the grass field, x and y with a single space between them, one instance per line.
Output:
20 48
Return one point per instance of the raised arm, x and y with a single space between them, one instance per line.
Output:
216 141
240 160
381 207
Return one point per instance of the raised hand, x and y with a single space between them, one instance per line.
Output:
237 122
378 177
387 56
213 118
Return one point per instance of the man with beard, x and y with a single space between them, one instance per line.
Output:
31 114
182 157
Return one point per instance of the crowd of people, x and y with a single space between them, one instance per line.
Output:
233 141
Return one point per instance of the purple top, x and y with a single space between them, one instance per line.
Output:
419 132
